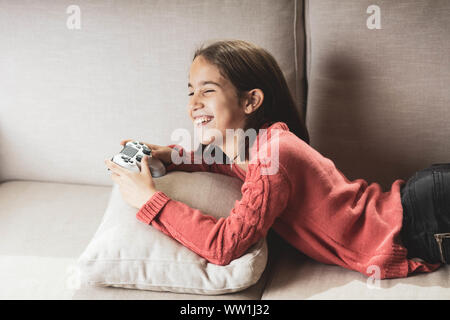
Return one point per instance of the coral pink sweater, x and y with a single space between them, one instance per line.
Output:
308 202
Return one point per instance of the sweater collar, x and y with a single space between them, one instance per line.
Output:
265 135
268 126
275 125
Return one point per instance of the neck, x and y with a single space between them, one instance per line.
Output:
231 149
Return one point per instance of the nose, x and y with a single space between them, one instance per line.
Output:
194 103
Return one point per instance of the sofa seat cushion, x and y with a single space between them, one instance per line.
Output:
295 276
45 226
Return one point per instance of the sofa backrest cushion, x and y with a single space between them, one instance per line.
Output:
68 96
378 99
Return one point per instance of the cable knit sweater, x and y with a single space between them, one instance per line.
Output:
307 201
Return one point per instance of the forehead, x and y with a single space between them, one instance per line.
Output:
202 72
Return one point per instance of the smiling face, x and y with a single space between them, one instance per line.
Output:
213 102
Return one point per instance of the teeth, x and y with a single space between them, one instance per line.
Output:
202 120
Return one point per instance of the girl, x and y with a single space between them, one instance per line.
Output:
307 200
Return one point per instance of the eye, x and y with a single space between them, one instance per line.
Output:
209 91
190 94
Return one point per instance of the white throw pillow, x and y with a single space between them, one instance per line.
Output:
125 252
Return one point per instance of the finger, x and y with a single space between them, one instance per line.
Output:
155 153
115 167
145 169
124 142
154 147
115 178
113 174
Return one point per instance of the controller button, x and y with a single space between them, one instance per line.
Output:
138 158
146 151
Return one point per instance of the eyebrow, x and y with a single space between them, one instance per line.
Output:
206 82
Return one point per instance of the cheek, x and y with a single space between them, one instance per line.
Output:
226 114
222 122
224 117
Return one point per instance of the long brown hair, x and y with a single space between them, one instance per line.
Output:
248 66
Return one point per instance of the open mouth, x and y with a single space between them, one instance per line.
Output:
203 120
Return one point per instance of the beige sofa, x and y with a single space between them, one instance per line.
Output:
376 102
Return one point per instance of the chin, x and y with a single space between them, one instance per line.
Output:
205 136
206 140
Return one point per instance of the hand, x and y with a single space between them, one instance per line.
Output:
162 153
136 187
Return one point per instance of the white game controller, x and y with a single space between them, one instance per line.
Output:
130 157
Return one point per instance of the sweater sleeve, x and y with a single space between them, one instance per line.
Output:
264 198
190 164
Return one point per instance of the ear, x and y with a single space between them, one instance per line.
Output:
253 100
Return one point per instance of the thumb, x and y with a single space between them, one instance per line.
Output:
154 152
144 165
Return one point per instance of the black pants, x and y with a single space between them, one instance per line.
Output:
426 214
